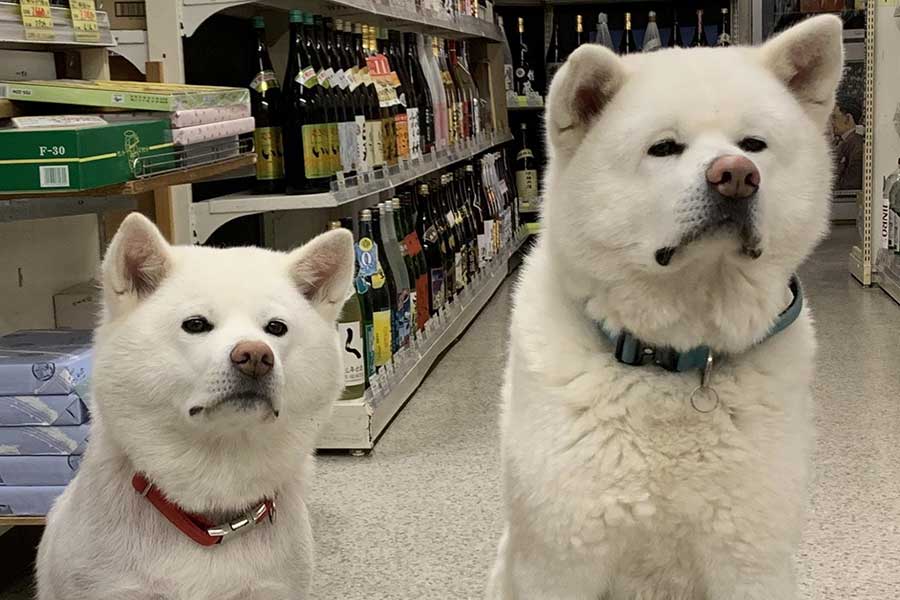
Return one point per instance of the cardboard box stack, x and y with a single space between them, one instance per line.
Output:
44 418
124 130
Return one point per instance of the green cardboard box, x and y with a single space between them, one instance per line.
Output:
52 160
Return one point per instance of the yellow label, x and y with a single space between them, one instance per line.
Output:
312 151
381 322
84 20
378 278
402 126
269 161
37 19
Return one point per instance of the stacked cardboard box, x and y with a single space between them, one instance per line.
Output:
44 415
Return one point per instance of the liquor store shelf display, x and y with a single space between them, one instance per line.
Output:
207 216
357 424
428 16
62 33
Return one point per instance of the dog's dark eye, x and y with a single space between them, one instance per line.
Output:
276 328
750 144
666 148
196 325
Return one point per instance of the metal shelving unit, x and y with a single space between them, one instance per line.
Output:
209 215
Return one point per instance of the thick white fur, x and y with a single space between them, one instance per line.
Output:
615 488
104 541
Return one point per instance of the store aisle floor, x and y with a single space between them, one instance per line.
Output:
419 518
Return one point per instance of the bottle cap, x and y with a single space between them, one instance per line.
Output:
365 215
338 25
259 23
602 19
295 16
307 18
652 15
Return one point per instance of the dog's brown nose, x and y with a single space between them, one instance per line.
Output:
733 176
253 359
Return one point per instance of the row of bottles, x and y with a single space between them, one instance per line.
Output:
416 254
358 98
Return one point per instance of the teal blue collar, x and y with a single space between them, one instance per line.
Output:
630 350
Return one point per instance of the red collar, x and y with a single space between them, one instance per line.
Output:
195 526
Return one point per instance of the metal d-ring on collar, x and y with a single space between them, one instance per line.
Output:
225 530
632 351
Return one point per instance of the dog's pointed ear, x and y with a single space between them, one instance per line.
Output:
323 271
809 59
580 91
137 260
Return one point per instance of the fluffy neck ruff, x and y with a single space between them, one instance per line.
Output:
722 305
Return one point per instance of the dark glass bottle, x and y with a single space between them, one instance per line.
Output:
384 331
526 169
380 294
724 29
351 329
579 31
524 73
628 45
402 308
373 133
699 40
675 40
423 95
553 55
265 101
363 286
431 246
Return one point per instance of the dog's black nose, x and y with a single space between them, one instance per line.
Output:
253 359
733 176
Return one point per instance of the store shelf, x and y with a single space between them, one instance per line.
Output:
207 216
356 425
381 12
131 44
25 206
12 31
855 263
15 521
889 281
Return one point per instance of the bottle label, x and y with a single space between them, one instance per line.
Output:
524 153
354 364
375 142
335 141
482 248
508 77
367 257
353 80
451 218
324 77
307 77
402 136
402 318
527 184
437 288
421 301
362 143
339 80
348 149
378 278
263 81
370 349
415 146
389 140
431 235
458 270
489 239
312 166
269 152
381 323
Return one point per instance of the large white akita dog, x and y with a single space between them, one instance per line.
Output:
212 369
656 422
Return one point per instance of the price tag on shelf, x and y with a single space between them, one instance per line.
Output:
37 19
84 20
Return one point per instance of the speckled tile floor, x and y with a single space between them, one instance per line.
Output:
419 517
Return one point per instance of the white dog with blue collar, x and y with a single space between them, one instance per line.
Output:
657 406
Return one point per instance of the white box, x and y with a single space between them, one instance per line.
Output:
77 307
19 65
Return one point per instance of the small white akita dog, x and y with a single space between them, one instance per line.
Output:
212 370
684 188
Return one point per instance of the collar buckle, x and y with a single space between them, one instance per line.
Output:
632 351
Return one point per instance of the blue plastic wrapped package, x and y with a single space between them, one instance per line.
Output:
38 470
42 441
31 501
44 361
61 409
